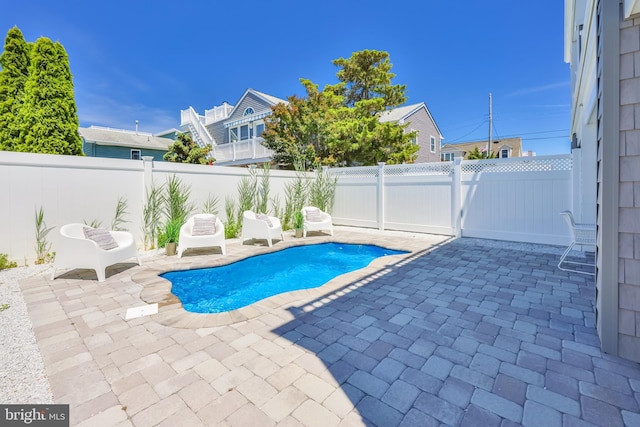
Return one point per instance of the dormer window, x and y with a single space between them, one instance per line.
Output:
248 112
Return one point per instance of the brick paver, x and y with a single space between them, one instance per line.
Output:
460 332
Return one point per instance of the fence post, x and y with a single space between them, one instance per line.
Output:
381 196
147 178
456 192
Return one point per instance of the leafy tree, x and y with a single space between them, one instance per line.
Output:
298 131
48 119
476 154
185 150
367 75
340 125
358 137
14 61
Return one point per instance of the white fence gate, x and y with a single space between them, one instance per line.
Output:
516 199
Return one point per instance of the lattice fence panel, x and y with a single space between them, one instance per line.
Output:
419 169
559 163
355 172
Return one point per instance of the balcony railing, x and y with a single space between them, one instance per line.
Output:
241 150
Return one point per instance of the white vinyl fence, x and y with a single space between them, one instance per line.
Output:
516 199
87 189
507 199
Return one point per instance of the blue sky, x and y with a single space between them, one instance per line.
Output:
146 61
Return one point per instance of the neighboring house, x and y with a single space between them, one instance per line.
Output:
418 118
124 144
602 45
234 131
504 147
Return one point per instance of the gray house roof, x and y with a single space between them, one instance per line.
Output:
270 99
123 138
402 113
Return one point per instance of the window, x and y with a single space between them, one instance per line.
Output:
259 129
248 112
244 132
136 155
233 134
432 145
414 140
446 157
504 153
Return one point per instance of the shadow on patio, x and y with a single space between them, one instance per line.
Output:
469 333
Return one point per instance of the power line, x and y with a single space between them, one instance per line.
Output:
467 134
546 137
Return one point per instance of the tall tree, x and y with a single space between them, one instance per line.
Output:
367 75
14 61
359 138
340 125
298 131
49 123
185 150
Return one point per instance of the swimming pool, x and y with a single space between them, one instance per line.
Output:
236 285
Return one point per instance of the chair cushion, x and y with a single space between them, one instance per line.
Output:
264 218
102 237
203 226
314 215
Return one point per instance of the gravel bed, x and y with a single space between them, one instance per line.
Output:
23 379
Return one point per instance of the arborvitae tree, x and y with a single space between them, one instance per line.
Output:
49 123
14 61
185 150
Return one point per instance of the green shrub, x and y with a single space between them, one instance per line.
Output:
42 244
5 263
152 216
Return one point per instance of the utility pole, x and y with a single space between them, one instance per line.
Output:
490 127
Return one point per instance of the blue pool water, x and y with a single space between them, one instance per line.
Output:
229 287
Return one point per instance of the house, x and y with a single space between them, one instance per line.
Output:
234 131
504 148
124 144
602 46
418 118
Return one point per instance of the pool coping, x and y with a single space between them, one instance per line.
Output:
157 290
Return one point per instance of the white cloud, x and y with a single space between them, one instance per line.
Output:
535 89
100 110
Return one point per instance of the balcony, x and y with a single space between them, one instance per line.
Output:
242 152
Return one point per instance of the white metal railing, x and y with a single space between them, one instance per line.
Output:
217 113
241 150
190 118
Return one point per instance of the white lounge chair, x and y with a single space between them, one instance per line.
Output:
208 232
581 235
261 227
316 220
75 250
